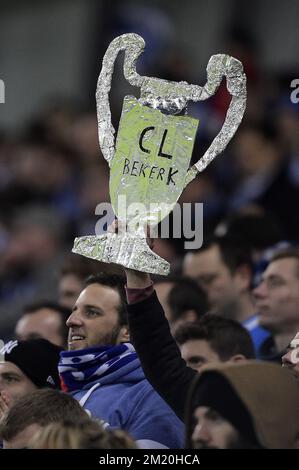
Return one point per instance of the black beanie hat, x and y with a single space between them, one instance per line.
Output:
37 359
215 392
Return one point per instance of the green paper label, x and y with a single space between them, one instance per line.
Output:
153 153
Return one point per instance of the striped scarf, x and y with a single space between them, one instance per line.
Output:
78 369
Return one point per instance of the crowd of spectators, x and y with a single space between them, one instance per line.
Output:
231 308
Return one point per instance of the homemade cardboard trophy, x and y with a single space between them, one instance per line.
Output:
149 165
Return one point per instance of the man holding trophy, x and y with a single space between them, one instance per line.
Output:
149 170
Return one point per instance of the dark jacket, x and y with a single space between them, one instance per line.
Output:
159 354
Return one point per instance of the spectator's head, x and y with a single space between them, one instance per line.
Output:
35 411
36 159
36 238
277 296
252 227
243 406
223 270
44 320
257 149
99 314
213 339
291 358
187 302
182 300
75 271
83 434
28 365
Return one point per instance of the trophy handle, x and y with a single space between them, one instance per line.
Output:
133 45
219 66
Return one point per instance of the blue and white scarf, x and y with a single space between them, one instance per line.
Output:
78 369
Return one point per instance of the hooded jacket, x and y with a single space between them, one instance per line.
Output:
124 399
270 395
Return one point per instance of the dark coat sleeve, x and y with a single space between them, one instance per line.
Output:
159 354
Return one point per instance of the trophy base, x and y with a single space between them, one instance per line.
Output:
130 251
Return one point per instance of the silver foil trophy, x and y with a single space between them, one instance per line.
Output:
150 161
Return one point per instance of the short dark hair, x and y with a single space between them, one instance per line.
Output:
232 254
117 283
255 230
291 252
185 295
62 311
41 407
225 336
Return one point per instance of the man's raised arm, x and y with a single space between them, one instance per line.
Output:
158 352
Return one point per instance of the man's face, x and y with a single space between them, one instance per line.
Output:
277 296
291 358
13 382
69 288
95 318
198 352
212 431
21 440
45 323
208 269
